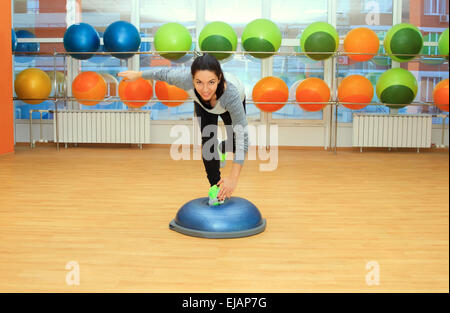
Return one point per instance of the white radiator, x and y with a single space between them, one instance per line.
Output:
105 126
392 131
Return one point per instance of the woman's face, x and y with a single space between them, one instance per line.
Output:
205 83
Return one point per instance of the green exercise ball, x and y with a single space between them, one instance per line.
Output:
261 35
218 36
396 88
303 58
172 37
319 37
443 43
403 39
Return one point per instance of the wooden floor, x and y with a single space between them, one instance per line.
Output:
108 210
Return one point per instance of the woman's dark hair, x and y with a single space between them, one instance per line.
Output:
207 62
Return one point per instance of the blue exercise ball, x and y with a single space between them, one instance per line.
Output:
13 40
81 37
25 47
237 217
28 46
121 36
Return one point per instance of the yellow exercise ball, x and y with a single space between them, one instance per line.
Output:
33 83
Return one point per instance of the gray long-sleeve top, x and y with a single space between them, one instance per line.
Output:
230 101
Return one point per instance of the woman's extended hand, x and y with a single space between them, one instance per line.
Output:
227 186
130 75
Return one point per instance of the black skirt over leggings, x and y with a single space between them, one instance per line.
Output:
210 156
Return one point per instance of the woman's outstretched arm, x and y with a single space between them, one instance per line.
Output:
179 77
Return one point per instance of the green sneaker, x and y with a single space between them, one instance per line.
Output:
213 192
223 156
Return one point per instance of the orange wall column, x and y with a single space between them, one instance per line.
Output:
6 95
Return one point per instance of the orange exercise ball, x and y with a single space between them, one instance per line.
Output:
312 90
356 89
89 88
361 40
164 91
270 89
139 89
440 95
33 83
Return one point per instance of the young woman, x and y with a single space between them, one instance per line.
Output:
214 93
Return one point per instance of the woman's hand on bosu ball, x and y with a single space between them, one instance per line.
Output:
130 75
227 186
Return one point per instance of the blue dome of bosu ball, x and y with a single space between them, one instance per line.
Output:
235 218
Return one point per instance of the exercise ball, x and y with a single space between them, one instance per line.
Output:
218 36
403 38
440 95
302 57
121 36
172 37
443 43
261 35
185 58
28 46
32 83
396 88
13 40
81 37
270 89
165 92
25 47
361 40
235 218
89 88
319 37
355 89
139 89
312 90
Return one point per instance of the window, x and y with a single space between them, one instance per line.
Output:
39 19
293 69
379 6
160 111
426 87
378 17
236 13
349 17
292 16
33 6
154 14
249 73
100 14
435 7
428 70
34 19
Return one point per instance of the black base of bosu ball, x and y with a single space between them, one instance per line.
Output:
235 218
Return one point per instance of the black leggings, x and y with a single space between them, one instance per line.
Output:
210 156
